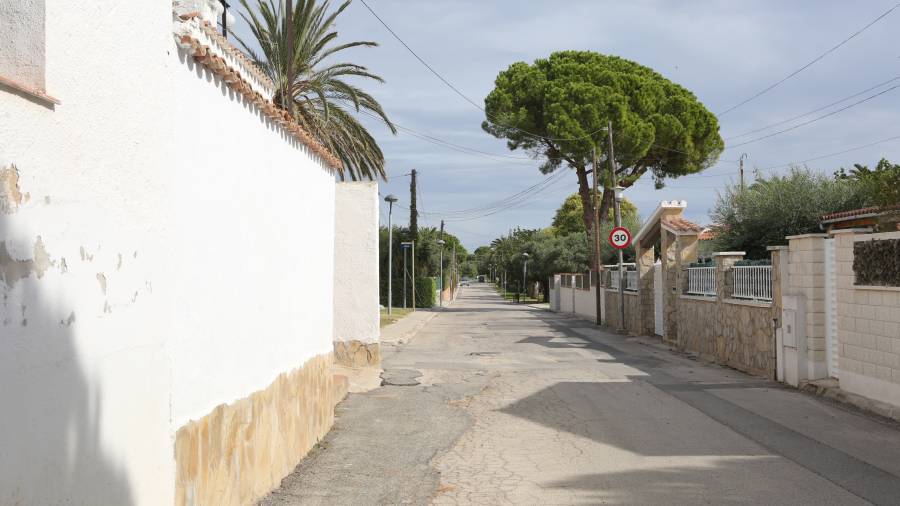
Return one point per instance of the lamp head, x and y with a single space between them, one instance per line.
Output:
391 198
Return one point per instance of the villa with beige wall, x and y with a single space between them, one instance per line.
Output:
802 319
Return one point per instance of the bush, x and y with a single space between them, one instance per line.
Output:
752 263
425 292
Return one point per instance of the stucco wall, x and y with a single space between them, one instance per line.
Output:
22 42
165 251
868 328
356 313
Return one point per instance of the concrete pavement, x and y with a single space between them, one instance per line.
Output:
496 403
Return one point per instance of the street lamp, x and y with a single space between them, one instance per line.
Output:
390 199
405 246
524 274
441 242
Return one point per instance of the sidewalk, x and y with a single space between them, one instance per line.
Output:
402 331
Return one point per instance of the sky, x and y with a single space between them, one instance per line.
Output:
723 51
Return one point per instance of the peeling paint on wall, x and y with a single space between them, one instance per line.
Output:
85 256
10 194
101 278
13 269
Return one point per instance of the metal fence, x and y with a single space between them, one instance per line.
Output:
701 281
631 281
753 282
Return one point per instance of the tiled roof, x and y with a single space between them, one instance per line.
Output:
679 224
708 234
859 212
244 78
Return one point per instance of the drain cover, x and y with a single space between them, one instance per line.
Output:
400 377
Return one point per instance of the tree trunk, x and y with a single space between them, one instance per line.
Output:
585 191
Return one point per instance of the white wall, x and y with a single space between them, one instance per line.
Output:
356 312
22 42
189 256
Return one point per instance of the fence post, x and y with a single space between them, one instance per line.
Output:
724 262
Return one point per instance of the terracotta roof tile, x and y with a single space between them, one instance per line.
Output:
708 234
680 224
859 212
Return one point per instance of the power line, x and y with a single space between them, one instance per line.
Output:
779 123
530 189
817 118
789 164
811 63
461 94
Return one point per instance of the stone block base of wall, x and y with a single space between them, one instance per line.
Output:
357 354
241 451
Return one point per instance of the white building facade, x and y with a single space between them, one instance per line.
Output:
167 252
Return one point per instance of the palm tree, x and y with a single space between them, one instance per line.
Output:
317 92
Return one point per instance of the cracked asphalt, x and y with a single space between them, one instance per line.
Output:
497 403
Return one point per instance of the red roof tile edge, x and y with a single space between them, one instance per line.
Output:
681 224
236 82
858 212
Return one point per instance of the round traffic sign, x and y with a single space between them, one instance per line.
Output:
620 238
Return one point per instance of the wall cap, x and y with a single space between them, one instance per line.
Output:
863 230
747 302
807 236
777 248
729 253
877 237
704 298
878 288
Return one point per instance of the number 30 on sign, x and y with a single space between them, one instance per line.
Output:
620 238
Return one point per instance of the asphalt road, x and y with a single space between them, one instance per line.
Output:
496 403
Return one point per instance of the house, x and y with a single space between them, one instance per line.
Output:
879 219
178 268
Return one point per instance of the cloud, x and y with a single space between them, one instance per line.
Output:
723 51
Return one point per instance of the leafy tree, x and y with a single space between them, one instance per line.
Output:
770 209
567 220
557 108
879 187
316 92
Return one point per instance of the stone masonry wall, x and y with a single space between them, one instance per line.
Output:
868 328
240 451
632 311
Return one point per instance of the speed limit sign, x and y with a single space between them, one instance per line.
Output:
620 238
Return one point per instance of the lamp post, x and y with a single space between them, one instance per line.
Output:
405 247
390 199
441 242
524 275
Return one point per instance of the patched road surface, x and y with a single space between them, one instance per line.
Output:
496 403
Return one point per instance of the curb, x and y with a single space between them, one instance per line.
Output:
830 390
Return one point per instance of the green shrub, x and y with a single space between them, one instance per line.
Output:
752 263
426 288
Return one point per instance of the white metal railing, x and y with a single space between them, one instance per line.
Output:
631 281
701 280
753 282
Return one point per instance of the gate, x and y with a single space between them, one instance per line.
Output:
831 334
658 299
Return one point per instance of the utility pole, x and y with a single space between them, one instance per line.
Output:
413 275
741 160
390 199
441 289
597 302
404 245
618 211
413 208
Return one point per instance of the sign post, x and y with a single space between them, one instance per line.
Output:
620 238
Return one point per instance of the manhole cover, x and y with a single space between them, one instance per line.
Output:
400 377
